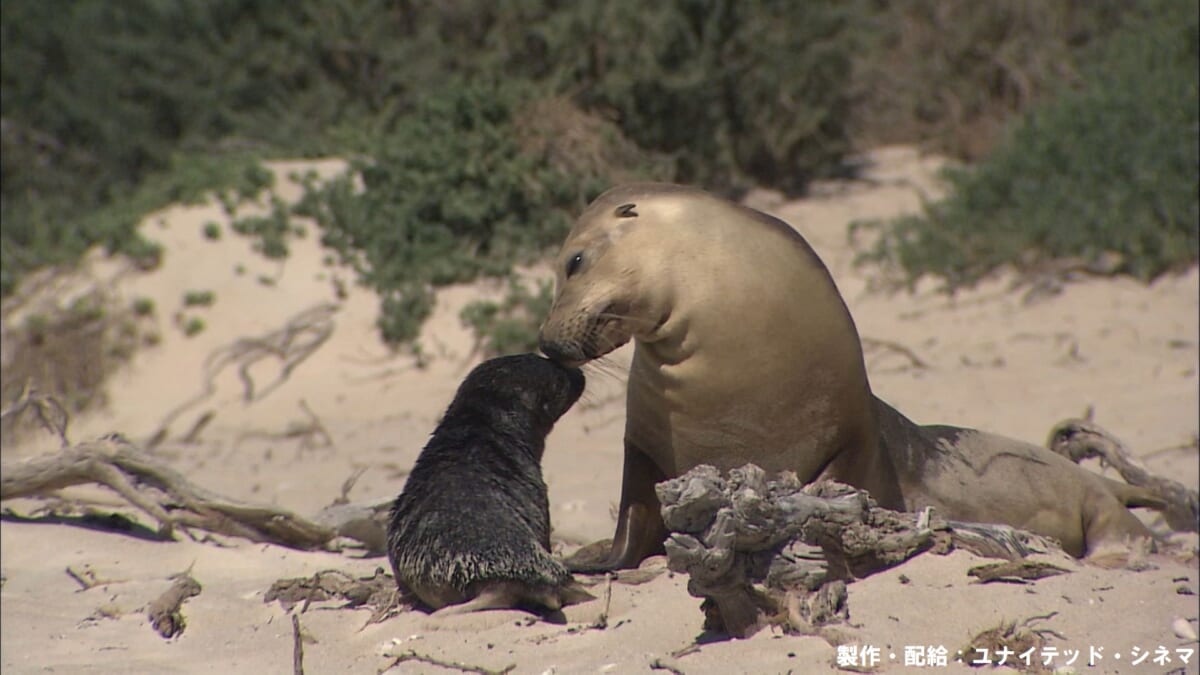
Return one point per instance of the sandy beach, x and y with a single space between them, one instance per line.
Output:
989 357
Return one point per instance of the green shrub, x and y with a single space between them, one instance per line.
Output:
212 231
143 307
193 326
952 75
199 298
510 326
1111 167
460 188
732 91
272 230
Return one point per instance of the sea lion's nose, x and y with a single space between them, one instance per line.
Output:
563 354
553 350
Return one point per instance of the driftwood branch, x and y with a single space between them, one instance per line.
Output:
1080 439
297 647
172 500
50 413
302 335
164 613
412 655
377 592
872 344
764 551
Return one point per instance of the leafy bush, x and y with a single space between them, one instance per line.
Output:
510 326
463 186
1111 167
272 230
100 97
477 124
199 298
954 74
732 91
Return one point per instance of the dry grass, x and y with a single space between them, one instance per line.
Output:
63 345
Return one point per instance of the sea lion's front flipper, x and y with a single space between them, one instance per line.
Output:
640 530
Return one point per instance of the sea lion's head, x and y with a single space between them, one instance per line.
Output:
611 280
520 386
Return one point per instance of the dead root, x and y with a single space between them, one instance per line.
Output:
298 339
411 655
377 592
778 552
1015 571
165 613
49 412
1005 644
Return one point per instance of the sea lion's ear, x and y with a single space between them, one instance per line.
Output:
626 211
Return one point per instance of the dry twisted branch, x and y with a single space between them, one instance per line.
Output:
1080 439
171 499
302 335
763 550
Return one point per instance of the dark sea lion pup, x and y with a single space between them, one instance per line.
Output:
471 529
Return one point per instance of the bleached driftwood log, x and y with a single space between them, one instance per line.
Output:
1080 439
172 500
762 551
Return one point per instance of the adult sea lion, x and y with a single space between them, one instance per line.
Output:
471 529
746 352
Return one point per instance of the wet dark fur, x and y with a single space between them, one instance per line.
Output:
474 509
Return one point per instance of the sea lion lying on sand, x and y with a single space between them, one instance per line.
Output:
746 353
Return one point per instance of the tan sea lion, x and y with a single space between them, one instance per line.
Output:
746 352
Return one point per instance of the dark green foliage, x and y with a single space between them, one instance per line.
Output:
100 97
143 307
192 326
455 191
1111 167
478 125
733 91
510 326
952 74
199 298
272 230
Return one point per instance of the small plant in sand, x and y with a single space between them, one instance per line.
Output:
212 231
271 230
199 298
193 325
143 307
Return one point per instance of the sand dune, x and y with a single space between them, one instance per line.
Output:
990 360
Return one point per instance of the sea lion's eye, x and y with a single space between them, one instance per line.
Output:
626 211
573 264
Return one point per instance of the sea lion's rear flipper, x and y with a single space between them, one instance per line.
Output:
504 595
572 593
1134 496
510 594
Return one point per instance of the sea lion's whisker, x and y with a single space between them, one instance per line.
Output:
626 317
606 369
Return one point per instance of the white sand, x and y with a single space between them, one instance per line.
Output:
1126 349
